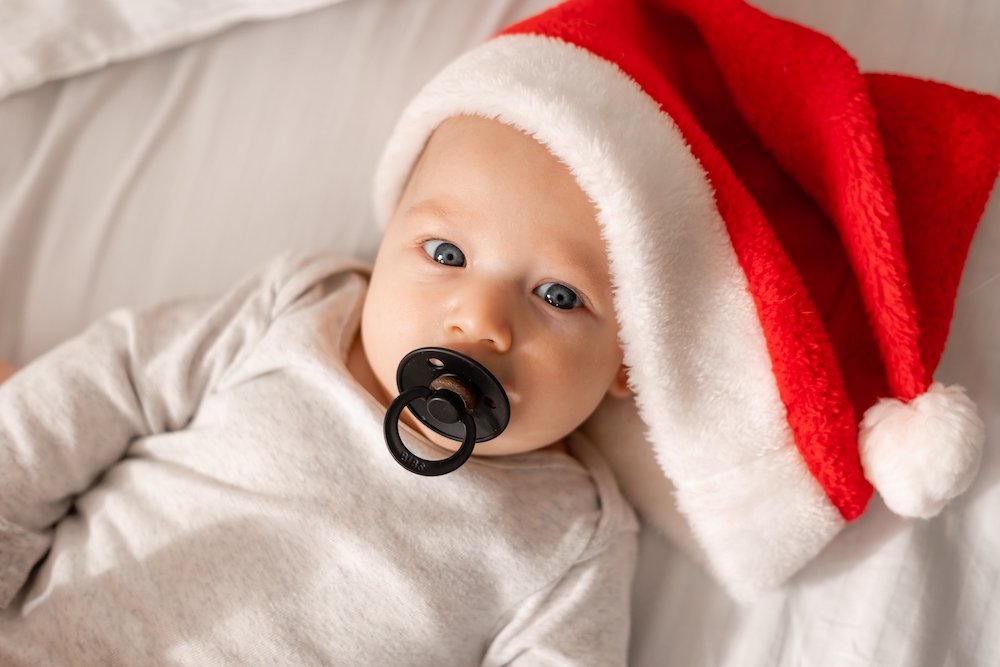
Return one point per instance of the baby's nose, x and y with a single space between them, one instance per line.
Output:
481 316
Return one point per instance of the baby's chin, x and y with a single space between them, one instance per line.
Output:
485 449
499 446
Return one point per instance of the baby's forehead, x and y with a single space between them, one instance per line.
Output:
484 140
480 178
467 155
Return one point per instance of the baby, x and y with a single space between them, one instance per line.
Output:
207 482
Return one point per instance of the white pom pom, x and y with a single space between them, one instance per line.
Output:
921 454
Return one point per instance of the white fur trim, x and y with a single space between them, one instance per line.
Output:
690 330
921 454
767 556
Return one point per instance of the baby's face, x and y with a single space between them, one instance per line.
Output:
495 252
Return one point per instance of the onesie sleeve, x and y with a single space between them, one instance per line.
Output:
581 619
71 414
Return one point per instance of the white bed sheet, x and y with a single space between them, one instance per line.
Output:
49 39
176 173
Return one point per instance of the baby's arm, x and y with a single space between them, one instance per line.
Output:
63 420
72 414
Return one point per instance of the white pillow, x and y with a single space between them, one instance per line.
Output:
178 173
41 40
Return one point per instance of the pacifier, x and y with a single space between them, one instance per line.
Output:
452 395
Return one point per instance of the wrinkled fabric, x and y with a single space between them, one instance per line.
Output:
213 487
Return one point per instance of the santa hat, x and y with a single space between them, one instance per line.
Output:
786 236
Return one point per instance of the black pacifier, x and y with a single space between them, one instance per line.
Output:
451 394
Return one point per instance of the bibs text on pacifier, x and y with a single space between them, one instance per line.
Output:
452 395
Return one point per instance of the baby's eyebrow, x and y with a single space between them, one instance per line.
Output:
430 207
594 273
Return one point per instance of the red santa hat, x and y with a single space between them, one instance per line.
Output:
786 236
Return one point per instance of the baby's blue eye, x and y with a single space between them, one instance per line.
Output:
559 295
445 253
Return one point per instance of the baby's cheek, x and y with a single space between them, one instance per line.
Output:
570 388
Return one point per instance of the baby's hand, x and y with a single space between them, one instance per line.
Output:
6 370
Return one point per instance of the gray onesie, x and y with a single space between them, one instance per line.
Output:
206 484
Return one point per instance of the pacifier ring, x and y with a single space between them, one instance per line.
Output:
409 460
452 395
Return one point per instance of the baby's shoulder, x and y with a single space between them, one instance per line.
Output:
293 273
569 499
616 514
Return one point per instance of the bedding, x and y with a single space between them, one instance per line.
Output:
214 140
48 39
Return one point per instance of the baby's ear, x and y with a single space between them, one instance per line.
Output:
619 384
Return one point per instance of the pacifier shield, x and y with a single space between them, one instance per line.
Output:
472 383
